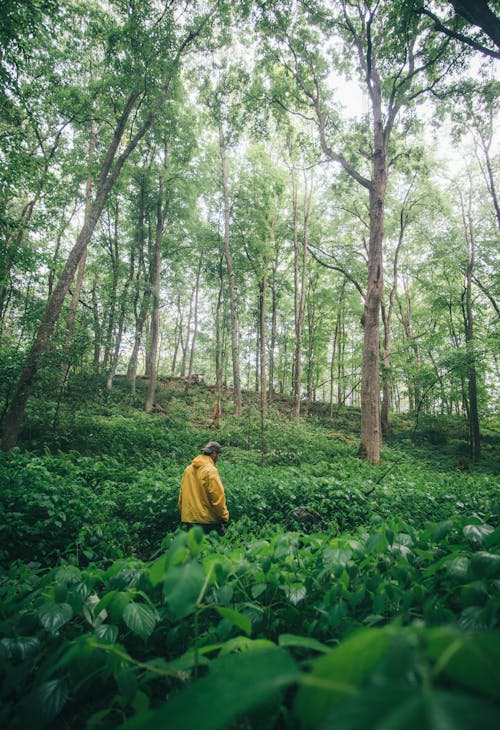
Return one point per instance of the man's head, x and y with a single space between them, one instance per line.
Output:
212 449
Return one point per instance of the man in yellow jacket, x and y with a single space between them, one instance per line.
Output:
202 500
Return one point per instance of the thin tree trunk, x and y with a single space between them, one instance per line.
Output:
217 408
230 271
195 321
161 214
142 293
114 257
263 343
473 413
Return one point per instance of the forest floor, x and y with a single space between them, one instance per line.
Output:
343 591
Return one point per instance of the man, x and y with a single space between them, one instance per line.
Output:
201 497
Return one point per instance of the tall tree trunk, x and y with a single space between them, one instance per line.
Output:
121 321
77 289
142 292
161 215
336 344
195 321
299 289
185 349
114 257
263 342
387 314
97 329
217 408
473 414
405 314
230 271
178 335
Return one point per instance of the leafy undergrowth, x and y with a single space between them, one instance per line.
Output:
87 508
298 630
343 596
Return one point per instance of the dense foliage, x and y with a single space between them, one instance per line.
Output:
342 591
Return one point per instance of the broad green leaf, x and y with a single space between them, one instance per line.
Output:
195 540
54 615
296 592
258 589
340 673
441 530
182 587
157 570
474 594
225 594
236 684
20 648
178 550
376 543
303 642
115 603
477 534
412 708
43 704
473 618
458 567
472 660
107 632
236 618
140 618
126 679
244 643
485 565
336 556
493 540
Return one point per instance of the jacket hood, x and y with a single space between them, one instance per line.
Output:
202 460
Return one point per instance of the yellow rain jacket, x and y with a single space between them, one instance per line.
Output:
201 497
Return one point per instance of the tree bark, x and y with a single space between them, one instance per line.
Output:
161 215
233 310
473 411
195 322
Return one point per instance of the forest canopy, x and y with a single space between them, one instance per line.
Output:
293 198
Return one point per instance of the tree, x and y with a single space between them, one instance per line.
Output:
140 103
484 21
396 69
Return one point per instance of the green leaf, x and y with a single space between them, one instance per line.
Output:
376 543
54 615
157 570
244 643
340 673
477 534
236 684
42 705
195 540
303 642
182 587
20 648
141 619
472 660
485 565
441 530
107 632
126 679
115 603
236 618
395 708
458 567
